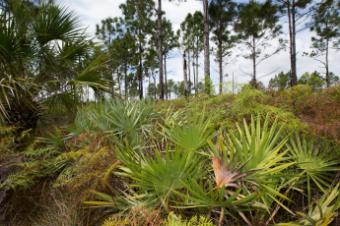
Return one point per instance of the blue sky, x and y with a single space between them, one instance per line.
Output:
91 12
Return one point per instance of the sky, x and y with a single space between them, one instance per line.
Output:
91 12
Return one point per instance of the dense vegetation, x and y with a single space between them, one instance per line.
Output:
78 148
256 158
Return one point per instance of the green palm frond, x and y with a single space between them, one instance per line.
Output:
322 212
73 49
15 48
129 120
91 74
161 176
192 135
314 164
257 150
14 91
55 23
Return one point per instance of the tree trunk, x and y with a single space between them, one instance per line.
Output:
119 85
220 66
292 48
206 45
185 74
155 82
140 76
160 49
193 72
328 81
196 74
126 92
113 85
165 78
189 74
254 80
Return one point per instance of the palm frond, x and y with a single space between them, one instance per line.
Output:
315 165
55 23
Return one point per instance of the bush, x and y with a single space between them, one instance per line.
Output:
247 100
124 120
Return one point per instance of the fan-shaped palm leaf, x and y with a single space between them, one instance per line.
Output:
55 23
315 165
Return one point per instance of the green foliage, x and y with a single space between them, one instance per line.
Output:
314 80
257 25
258 151
252 101
296 96
315 165
174 220
190 136
160 176
335 93
44 55
322 212
55 23
280 81
248 99
129 120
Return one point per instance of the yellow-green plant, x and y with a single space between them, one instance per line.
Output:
256 151
129 120
174 220
159 176
322 212
315 164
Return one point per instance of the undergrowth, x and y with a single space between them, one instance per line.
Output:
255 158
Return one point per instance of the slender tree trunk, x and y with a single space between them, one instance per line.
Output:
196 86
185 74
113 85
206 46
328 81
166 78
140 76
154 82
220 66
160 49
254 81
193 72
189 74
294 41
126 92
292 48
119 85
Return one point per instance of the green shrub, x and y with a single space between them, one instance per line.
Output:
334 93
174 220
247 100
129 120
294 97
251 101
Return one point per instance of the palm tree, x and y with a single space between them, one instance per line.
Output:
44 58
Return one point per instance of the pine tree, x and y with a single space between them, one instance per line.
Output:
292 8
257 26
192 41
222 14
137 15
326 23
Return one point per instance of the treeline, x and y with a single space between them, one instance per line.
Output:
46 60
141 41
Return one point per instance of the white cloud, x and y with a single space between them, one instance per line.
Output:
91 12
